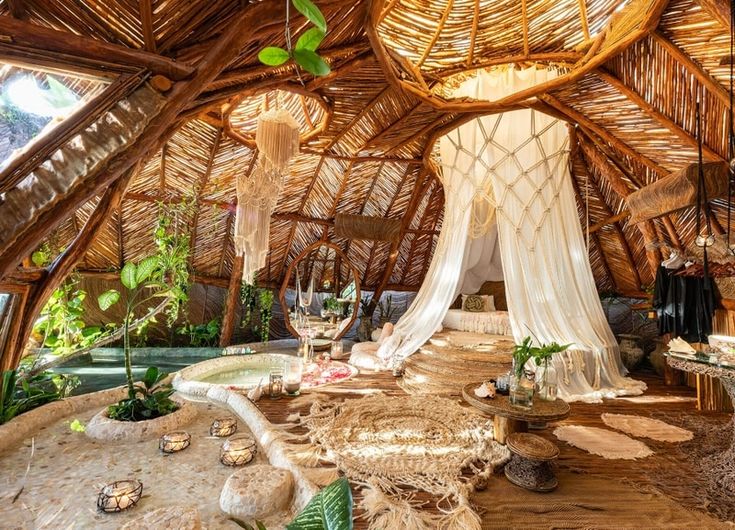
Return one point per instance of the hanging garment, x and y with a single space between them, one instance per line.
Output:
684 304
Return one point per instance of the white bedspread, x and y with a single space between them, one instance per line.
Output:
490 322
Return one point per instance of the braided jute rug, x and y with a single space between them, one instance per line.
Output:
387 444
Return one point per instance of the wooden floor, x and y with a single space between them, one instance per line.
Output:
593 492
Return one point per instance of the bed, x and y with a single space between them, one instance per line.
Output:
489 322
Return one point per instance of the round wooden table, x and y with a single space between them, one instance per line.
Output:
509 418
531 463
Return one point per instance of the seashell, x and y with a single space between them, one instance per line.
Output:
485 390
255 393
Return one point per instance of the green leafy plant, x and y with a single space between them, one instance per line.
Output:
173 242
144 282
21 395
386 310
540 354
265 301
365 309
330 509
521 354
304 53
77 426
202 335
249 301
331 304
149 401
61 325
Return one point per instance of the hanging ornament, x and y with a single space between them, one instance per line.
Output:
277 137
705 237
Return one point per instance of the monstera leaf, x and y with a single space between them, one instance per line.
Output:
330 509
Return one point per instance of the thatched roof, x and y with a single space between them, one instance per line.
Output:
630 73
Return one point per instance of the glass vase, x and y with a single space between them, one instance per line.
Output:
547 382
521 390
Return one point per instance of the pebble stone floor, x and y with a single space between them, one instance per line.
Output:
68 469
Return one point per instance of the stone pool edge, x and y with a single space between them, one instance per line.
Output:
268 436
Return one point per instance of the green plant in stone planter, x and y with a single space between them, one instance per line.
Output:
304 53
144 282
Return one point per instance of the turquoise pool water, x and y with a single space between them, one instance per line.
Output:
106 369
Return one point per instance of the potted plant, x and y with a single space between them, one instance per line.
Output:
365 328
386 310
144 282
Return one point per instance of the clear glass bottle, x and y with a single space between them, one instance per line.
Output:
521 388
547 382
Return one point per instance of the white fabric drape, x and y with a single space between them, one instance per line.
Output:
482 262
468 212
518 162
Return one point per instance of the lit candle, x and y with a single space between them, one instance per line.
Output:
276 383
119 495
174 441
238 451
223 427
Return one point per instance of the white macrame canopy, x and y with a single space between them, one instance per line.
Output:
515 164
277 139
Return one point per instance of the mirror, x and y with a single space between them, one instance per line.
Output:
320 294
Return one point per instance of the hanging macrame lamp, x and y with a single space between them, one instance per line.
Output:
277 139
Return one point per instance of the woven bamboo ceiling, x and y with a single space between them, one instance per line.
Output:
630 72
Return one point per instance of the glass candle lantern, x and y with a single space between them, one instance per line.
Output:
223 427
275 387
238 451
119 495
292 377
174 441
337 349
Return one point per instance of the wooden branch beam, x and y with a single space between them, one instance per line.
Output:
145 8
581 205
66 262
709 82
719 10
615 178
585 122
657 115
18 9
151 139
612 219
231 302
30 158
33 37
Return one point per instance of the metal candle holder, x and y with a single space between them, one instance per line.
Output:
119 495
174 441
223 427
238 450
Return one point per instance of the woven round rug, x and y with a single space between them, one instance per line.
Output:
423 442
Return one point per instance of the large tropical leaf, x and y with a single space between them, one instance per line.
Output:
128 275
311 62
108 299
311 12
273 56
310 40
145 269
330 509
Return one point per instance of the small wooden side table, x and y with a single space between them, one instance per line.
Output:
531 463
509 418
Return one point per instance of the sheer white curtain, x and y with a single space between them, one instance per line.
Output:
468 214
515 165
549 285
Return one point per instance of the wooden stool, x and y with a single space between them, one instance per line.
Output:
530 466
